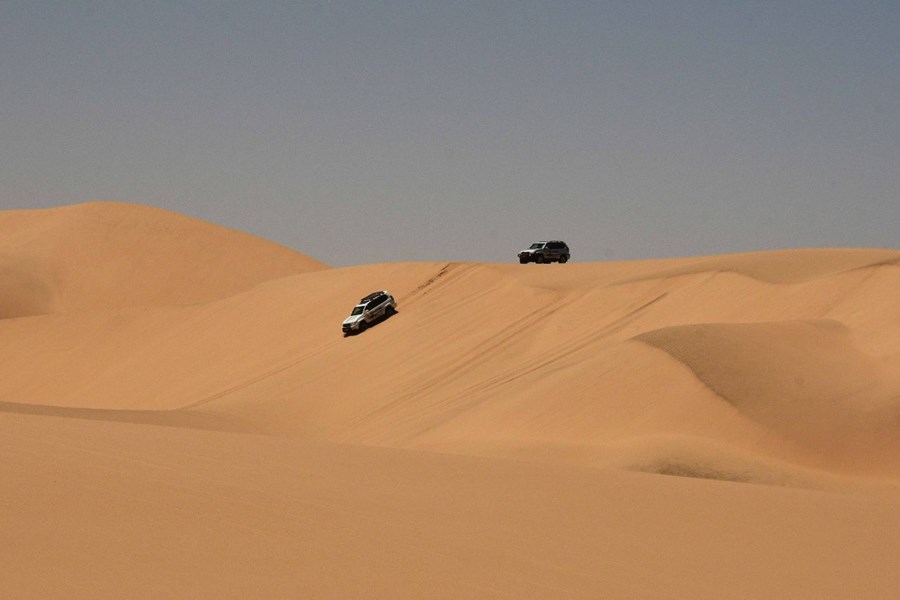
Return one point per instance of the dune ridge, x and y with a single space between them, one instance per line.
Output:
143 350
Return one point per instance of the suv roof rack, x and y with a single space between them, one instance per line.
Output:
370 296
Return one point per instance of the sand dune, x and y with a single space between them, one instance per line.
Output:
803 379
109 255
512 432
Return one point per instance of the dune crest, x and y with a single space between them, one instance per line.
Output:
785 266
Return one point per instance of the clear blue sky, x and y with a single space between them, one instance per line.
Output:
360 132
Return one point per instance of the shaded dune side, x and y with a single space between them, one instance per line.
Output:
163 418
102 255
806 380
27 287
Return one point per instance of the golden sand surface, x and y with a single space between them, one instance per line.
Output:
181 417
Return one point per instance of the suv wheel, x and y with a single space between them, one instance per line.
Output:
563 258
539 259
523 261
362 327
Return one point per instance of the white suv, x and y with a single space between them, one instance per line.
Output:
373 307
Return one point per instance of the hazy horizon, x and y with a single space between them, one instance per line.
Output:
363 132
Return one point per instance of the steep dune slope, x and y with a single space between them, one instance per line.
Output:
559 364
107 254
484 360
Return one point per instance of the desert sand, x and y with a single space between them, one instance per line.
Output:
181 417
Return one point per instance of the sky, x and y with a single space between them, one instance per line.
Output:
382 131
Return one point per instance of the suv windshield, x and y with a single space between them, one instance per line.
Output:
357 310
536 245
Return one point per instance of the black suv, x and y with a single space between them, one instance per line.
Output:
545 252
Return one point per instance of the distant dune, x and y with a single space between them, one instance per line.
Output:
111 255
511 432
